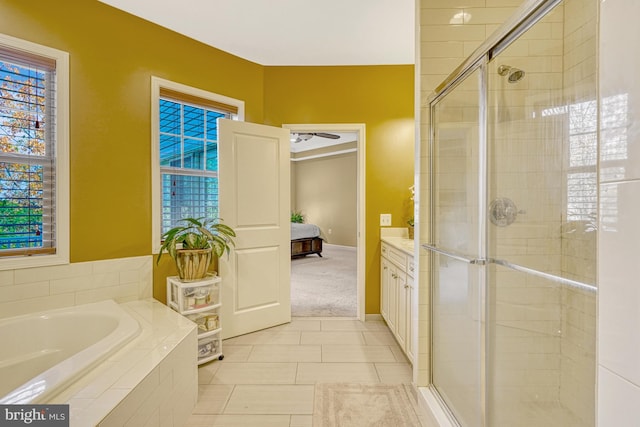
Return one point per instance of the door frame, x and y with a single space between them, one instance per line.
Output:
360 130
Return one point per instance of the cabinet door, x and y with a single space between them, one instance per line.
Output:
392 320
401 324
385 275
409 319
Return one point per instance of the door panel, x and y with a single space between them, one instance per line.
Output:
254 198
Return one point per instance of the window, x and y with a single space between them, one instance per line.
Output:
33 154
185 147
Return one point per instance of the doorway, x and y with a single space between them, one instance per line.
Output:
351 143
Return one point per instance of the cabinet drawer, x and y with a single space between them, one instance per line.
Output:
397 257
209 347
411 266
193 296
207 321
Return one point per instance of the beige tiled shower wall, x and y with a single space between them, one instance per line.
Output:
447 37
579 237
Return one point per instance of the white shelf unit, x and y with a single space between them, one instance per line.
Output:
199 301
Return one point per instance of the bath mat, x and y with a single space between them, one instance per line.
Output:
359 405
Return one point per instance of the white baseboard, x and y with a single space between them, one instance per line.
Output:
372 317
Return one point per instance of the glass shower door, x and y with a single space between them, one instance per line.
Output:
456 247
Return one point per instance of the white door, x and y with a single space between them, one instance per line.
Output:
254 194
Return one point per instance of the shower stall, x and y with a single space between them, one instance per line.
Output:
512 243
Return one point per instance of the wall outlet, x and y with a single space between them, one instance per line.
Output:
330 231
385 220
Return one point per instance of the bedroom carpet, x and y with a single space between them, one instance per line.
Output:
325 286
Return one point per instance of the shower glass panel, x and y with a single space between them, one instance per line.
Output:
542 154
457 282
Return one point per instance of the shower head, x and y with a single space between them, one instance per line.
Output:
514 74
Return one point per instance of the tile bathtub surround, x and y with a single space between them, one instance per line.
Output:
43 288
152 378
268 378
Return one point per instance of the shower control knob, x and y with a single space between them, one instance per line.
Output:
503 212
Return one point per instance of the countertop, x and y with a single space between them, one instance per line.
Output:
401 243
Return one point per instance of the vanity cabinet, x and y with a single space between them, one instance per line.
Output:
396 294
199 301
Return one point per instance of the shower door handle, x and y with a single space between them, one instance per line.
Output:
458 257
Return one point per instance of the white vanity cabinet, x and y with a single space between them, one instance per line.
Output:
199 301
396 294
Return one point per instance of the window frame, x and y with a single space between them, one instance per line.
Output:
157 85
60 134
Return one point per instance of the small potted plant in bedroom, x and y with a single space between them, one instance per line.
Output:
410 229
194 245
297 217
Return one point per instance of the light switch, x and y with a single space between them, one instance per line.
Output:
385 220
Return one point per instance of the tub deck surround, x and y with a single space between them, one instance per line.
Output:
151 378
44 352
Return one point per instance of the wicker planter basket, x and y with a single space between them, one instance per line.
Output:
193 263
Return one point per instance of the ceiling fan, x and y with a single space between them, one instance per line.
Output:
305 136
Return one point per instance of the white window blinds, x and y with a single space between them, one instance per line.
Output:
27 154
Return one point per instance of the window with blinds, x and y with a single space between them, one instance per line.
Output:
27 154
188 151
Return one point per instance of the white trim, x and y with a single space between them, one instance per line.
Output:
319 156
158 83
360 130
61 158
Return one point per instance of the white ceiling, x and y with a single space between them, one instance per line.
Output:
291 32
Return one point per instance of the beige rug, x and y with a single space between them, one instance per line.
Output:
363 405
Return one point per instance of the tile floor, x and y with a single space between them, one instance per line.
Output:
267 378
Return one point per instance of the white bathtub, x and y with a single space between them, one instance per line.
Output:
42 353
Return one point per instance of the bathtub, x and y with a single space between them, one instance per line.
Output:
42 353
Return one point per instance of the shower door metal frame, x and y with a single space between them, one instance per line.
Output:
526 16
481 66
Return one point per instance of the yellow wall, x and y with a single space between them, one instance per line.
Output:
381 97
112 57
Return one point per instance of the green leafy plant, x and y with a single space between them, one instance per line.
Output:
297 217
198 233
410 222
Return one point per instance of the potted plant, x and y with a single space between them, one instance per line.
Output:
193 245
297 217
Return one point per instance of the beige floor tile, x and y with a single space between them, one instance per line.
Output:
235 353
357 353
212 398
271 399
311 373
206 372
332 337
238 421
255 373
394 373
399 354
379 338
285 353
301 421
265 337
299 324
353 325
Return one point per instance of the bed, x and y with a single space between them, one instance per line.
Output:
305 240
